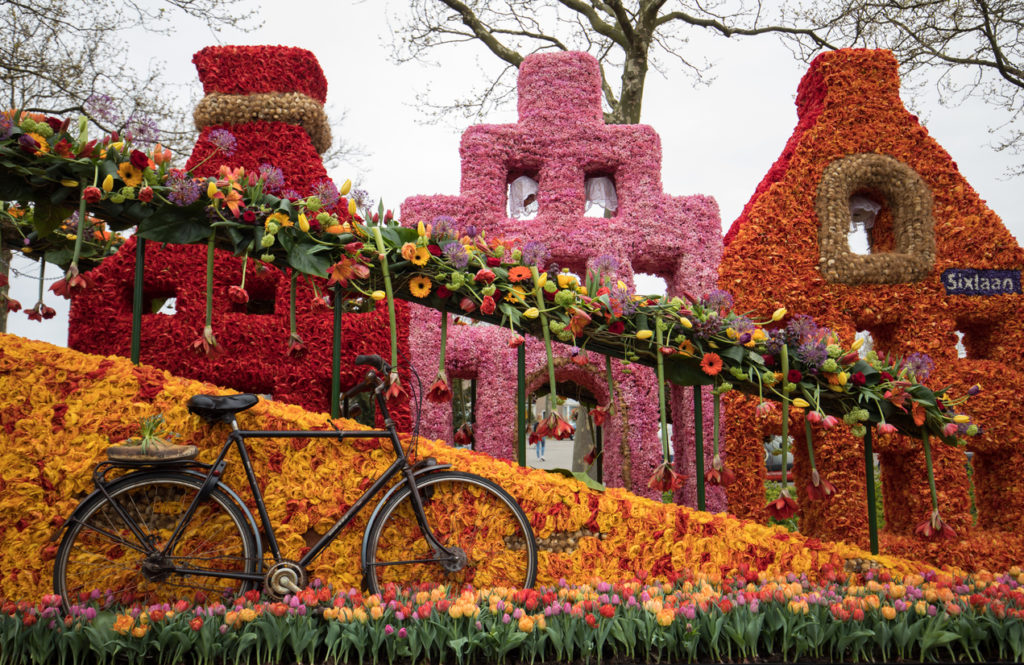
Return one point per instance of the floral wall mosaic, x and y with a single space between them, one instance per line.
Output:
263 112
60 409
561 142
848 105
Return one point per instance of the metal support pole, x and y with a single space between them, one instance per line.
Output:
698 440
869 476
521 404
140 259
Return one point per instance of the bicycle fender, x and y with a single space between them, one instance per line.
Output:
422 471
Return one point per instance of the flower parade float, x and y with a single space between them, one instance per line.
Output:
562 142
941 266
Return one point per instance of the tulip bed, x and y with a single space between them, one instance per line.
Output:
860 617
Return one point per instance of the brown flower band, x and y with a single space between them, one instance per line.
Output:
909 200
291 107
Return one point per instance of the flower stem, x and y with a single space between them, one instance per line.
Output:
784 360
78 238
931 469
715 414
547 336
209 280
444 340
661 396
245 268
611 383
382 252
292 328
810 442
42 274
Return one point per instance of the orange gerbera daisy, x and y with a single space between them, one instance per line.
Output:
421 256
519 273
131 175
419 286
711 363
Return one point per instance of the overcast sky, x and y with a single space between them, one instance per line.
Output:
718 140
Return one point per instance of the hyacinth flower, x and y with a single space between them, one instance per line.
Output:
933 527
439 392
818 489
718 474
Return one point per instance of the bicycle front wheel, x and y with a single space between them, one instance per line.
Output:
103 556
472 516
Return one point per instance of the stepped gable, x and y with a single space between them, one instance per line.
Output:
270 99
942 266
561 141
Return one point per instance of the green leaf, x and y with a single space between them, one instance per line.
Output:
580 476
686 372
180 229
48 217
307 260
734 353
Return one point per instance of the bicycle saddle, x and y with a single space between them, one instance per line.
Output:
220 408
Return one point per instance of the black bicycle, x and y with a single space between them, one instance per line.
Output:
162 531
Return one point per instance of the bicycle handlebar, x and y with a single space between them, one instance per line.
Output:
374 361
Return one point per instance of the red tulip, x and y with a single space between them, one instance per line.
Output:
599 414
933 528
819 489
665 479
439 392
782 508
719 474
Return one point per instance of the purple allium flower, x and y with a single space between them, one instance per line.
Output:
605 264
273 178
812 354
224 141
290 194
328 193
717 300
183 189
143 129
621 296
444 228
707 328
6 127
535 253
361 197
801 328
919 365
742 324
456 253
102 107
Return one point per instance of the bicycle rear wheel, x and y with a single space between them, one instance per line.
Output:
470 514
100 553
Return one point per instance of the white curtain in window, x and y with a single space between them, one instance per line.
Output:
601 191
522 197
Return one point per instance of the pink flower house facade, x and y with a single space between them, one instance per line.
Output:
561 142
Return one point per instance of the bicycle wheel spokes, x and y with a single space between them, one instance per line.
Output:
100 551
487 533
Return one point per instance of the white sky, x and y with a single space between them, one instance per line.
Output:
718 140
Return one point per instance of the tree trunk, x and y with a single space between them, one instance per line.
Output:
5 270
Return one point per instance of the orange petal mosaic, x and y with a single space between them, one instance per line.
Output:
61 409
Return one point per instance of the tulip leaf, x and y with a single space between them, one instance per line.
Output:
733 353
686 372
176 227
310 261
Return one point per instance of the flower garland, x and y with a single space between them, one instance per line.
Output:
61 409
849 104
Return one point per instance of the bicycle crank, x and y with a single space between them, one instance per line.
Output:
456 561
285 577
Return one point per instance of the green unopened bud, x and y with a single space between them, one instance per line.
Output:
313 203
830 365
768 378
564 336
858 430
972 429
789 387
456 281
834 351
723 388
273 227
488 290
127 192
676 304
117 198
737 373
550 286
517 255
564 298
267 258
556 326
267 241
323 218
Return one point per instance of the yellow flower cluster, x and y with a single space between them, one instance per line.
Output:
60 409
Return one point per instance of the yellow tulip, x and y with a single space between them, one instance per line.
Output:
644 334
303 222
69 183
378 295
345 188
532 313
800 403
211 189
686 322
961 418
421 229
778 314
352 207
541 280
108 183
843 378
857 343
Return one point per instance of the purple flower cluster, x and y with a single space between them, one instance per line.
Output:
919 365
456 253
328 193
273 178
535 253
812 354
709 327
142 130
717 300
102 107
445 228
183 190
224 141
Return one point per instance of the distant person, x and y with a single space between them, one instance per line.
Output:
538 441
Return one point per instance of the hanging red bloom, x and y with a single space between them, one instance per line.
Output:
12 305
206 343
555 426
782 508
719 474
484 275
487 305
934 528
467 304
439 392
464 435
665 479
296 349
579 321
238 295
73 283
515 341
819 489
395 390
591 456
600 415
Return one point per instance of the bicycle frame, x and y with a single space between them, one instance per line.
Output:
237 439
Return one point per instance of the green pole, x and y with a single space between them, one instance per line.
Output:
698 440
140 257
869 474
521 404
336 357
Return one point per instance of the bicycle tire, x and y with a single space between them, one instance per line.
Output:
465 511
99 557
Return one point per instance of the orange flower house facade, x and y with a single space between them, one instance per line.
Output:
929 279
